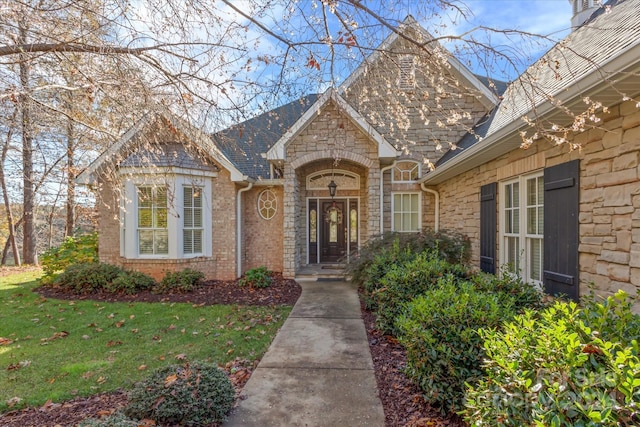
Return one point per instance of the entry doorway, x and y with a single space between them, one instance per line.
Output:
333 231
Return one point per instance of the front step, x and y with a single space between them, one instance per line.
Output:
318 272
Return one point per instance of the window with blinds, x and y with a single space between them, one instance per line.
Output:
523 226
153 235
192 231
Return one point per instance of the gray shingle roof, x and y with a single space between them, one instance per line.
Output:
244 143
601 39
166 155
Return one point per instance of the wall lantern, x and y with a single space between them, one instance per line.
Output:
332 188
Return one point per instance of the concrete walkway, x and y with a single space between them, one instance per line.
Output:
318 370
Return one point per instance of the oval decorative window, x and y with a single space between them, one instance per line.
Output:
267 204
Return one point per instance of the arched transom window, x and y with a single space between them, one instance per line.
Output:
406 171
344 179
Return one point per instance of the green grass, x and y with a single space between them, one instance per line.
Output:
112 345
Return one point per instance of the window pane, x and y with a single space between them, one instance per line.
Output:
508 190
532 221
313 225
540 220
516 220
188 241
397 222
145 242
145 219
188 197
516 194
532 191
188 217
161 242
197 217
197 198
144 197
414 221
353 225
197 241
160 218
414 203
535 259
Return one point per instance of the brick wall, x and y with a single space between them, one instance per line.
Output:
262 239
609 197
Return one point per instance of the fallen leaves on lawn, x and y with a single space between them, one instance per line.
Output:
5 341
57 335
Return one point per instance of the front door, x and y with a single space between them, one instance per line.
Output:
333 230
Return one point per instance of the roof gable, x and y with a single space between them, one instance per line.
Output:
128 141
278 151
488 97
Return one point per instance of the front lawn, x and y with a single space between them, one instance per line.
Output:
54 350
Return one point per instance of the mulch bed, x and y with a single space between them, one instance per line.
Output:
402 401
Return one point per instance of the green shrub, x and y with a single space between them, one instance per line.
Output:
130 282
403 282
73 250
451 246
259 277
439 332
117 419
179 281
562 366
86 278
524 295
195 394
387 259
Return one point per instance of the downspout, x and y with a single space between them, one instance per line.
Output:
382 171
239 226
437 196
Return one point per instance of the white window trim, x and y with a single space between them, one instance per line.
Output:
393 210
175 222
523 236
417 163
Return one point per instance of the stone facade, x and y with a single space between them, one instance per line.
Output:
609 222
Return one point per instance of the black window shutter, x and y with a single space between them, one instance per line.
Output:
561 229
488 227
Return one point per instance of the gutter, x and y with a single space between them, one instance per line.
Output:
436 225
382 171
239 224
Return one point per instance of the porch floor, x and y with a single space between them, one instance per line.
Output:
314 272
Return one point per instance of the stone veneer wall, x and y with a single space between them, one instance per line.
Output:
405 118
609 197
262 239
222 265
328 136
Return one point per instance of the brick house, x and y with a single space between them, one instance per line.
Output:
171 196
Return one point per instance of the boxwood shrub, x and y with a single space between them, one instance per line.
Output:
179 281
195 394
85 278
439 332
562 366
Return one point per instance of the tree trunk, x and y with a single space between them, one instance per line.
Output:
71 181
7 203
29 252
